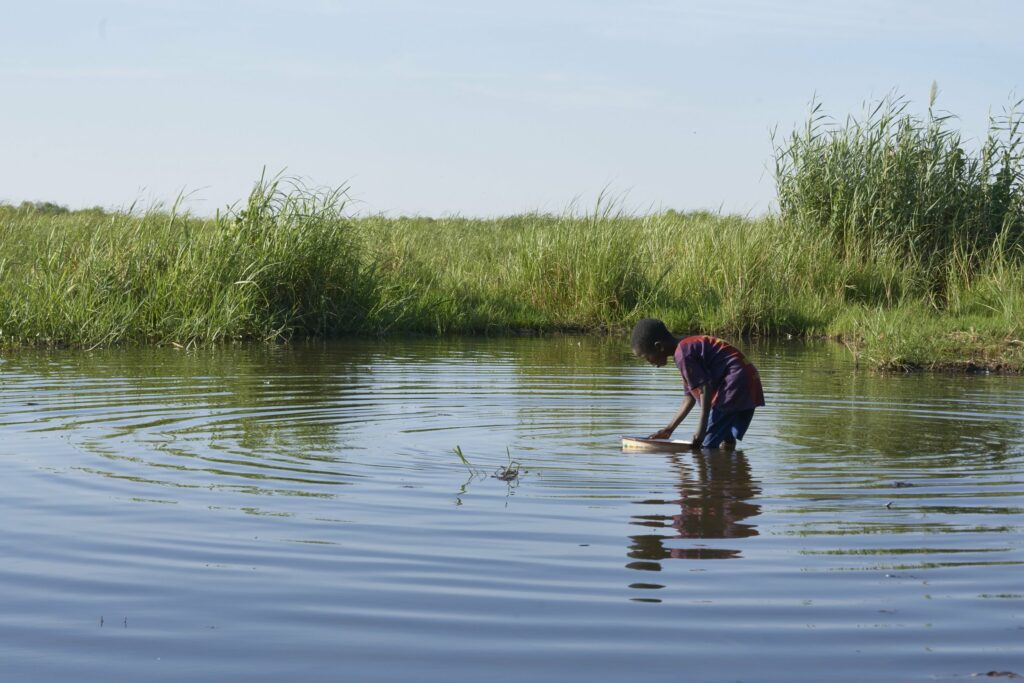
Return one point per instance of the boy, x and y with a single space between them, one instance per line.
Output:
714 372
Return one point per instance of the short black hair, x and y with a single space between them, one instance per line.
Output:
648 331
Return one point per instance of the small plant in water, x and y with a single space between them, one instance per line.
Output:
473 472
510 472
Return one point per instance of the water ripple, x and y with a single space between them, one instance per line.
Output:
225 512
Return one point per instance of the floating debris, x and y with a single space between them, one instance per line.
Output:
998 674
509 473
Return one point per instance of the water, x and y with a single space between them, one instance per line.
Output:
298 513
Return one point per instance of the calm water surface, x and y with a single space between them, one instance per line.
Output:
299 514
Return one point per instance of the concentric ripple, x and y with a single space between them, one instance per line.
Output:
300 513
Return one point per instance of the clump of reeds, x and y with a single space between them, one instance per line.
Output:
284 264
295 247
893 179
939 221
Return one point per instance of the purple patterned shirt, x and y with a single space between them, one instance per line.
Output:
734 383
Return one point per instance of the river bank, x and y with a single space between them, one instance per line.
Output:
892 236
292 264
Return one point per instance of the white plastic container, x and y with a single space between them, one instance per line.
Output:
639 443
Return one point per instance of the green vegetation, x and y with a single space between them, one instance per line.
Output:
893 180
892 236
905 198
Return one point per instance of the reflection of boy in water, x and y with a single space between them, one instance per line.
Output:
714 373
711 505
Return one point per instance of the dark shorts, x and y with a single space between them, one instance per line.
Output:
730 427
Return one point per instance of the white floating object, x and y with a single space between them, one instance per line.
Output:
640 443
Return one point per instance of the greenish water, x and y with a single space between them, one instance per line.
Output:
298 513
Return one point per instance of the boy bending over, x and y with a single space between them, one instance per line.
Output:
714 373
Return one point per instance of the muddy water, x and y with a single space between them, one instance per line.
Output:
299 513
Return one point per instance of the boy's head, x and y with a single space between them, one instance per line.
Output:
652 341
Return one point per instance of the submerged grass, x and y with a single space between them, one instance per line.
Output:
891 236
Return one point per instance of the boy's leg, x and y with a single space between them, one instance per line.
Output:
718 429
726 429
740 423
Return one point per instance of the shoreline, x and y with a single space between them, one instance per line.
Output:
292 265
1008 359
892 235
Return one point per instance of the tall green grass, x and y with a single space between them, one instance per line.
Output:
283 265
893 180
291 263
892 187
893 234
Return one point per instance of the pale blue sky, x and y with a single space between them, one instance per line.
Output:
456 107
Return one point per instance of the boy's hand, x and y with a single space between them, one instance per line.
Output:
698 439
662 433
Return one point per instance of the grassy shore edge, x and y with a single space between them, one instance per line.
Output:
893 237
303 269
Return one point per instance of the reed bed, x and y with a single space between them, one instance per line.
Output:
893 180
891 235
909 190
284 265
292 264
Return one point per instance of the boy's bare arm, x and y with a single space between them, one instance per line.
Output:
705 408
684 410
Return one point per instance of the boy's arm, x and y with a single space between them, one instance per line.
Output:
705 407
684 410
